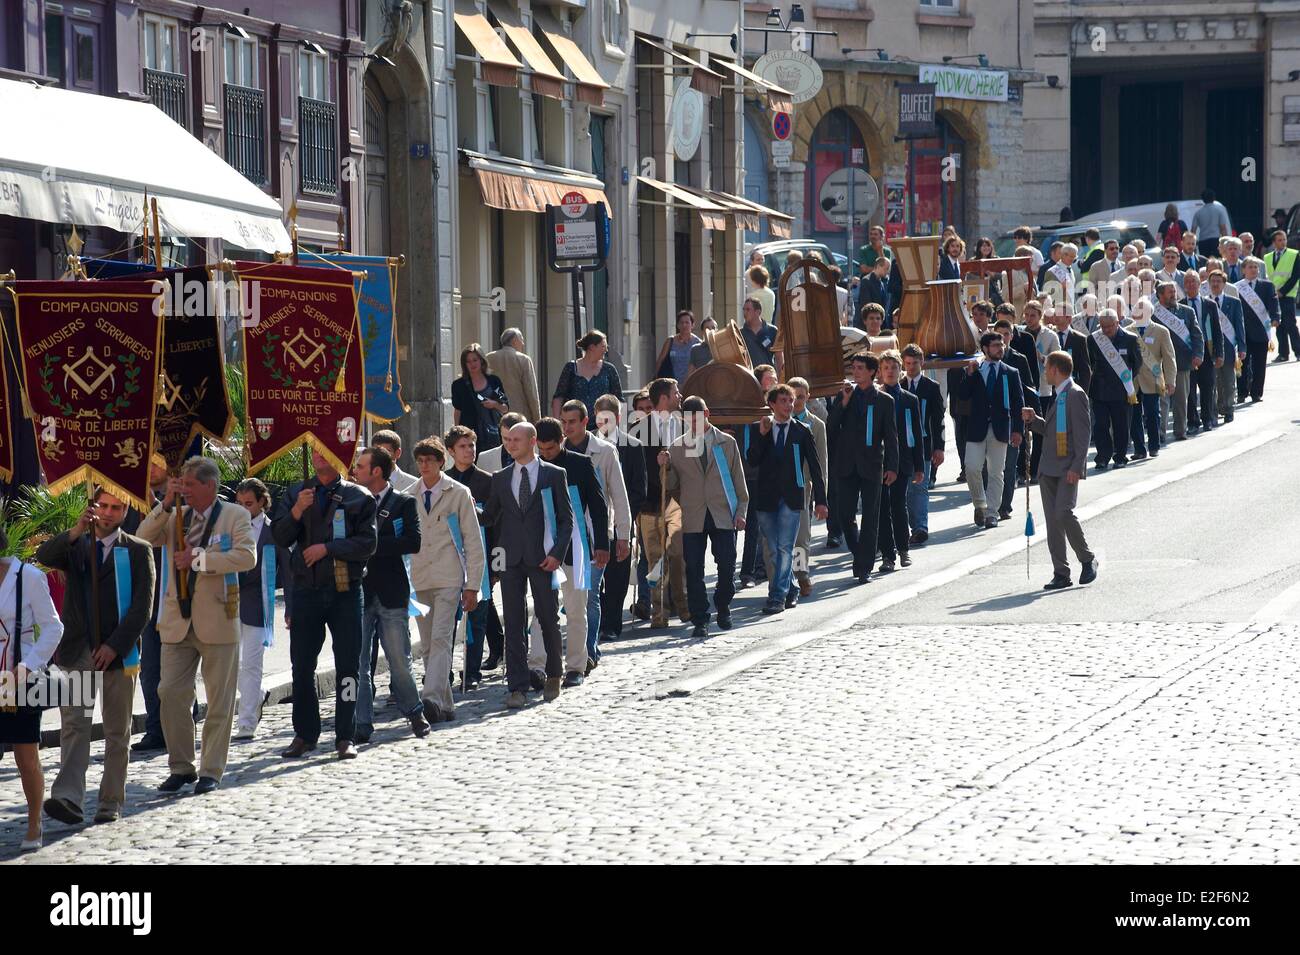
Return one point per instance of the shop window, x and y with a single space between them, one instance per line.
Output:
937 199
837 161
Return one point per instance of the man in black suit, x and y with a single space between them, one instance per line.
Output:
894 534
1017 460
777 454
1189 258
1115 361
930 398
484 624
631 460
589 546
126 576
1207 318
860 426
1262 315
994 428
1053 256
875 288
981 313
950 258
386 592
1074 342
1189 350
517 506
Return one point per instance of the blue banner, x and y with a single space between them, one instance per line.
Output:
378 315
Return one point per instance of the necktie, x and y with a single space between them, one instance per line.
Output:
322 500
780 438
428 501
99 551
195 533
525 489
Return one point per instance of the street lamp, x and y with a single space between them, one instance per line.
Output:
983 60
774 17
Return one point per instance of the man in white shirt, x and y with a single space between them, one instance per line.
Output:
391 442
1170 272
1210 222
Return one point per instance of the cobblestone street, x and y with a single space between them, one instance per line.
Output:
976 722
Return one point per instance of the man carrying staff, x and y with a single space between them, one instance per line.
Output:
330 524
124 602
1063 466
200 627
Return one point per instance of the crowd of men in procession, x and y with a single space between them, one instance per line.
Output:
567 513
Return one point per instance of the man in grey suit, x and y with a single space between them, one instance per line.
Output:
1064 464
1234 343
1189 348
529 503
512 365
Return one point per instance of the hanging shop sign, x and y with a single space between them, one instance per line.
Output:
791 70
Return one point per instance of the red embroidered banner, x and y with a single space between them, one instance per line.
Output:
90 355
303 368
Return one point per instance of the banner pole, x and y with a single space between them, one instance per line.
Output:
157 236
94 570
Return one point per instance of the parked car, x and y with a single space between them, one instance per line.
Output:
1152 213
1122 230
774 254
1293 226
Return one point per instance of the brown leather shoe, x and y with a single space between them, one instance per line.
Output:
805 587
418 725
346 749
552 689
299 747
516 701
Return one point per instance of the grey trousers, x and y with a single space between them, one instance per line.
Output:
1179 401
1059 499
1225 387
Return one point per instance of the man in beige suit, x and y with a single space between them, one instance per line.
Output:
1100 282
1065 433
515 369
201 626
707 476
1156 378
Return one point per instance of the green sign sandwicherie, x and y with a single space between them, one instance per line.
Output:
957 82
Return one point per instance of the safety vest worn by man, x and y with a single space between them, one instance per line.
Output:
1277 269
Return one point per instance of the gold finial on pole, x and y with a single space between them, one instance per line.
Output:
157 236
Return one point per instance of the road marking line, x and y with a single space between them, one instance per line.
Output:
770 647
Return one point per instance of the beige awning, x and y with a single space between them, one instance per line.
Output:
546 76
515 186
500 68
779 223
778 99
702 78
587 81
744 215
712 214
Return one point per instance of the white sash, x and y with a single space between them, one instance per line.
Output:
1225 324
1251 298
1042 348
1175 324
1111 354
1066 278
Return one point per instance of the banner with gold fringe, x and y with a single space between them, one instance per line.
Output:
90 354
303 369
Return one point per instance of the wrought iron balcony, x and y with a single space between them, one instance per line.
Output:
169 92
246 131
318 146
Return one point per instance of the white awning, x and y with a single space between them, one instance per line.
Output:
78 158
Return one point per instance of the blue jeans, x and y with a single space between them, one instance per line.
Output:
918 502
395 638
779 528
593 612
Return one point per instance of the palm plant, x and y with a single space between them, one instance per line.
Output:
37 515
230 457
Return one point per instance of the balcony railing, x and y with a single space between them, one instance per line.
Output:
246 132
169 92
318 146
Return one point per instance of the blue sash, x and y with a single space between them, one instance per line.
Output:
1006 393
338 531
553 530
925 427
798 467
728 486
581 549
907 423
162 588
871 425
223 544
485 592
453 525
413 607
122 573
744 432
268 594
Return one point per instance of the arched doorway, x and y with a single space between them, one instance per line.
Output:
756 177
376 195
935 180
837 155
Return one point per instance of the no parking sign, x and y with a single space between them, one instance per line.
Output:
781 125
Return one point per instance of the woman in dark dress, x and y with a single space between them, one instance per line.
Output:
984 250
478 398
588 377
22 653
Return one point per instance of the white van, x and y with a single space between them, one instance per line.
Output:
1152 213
